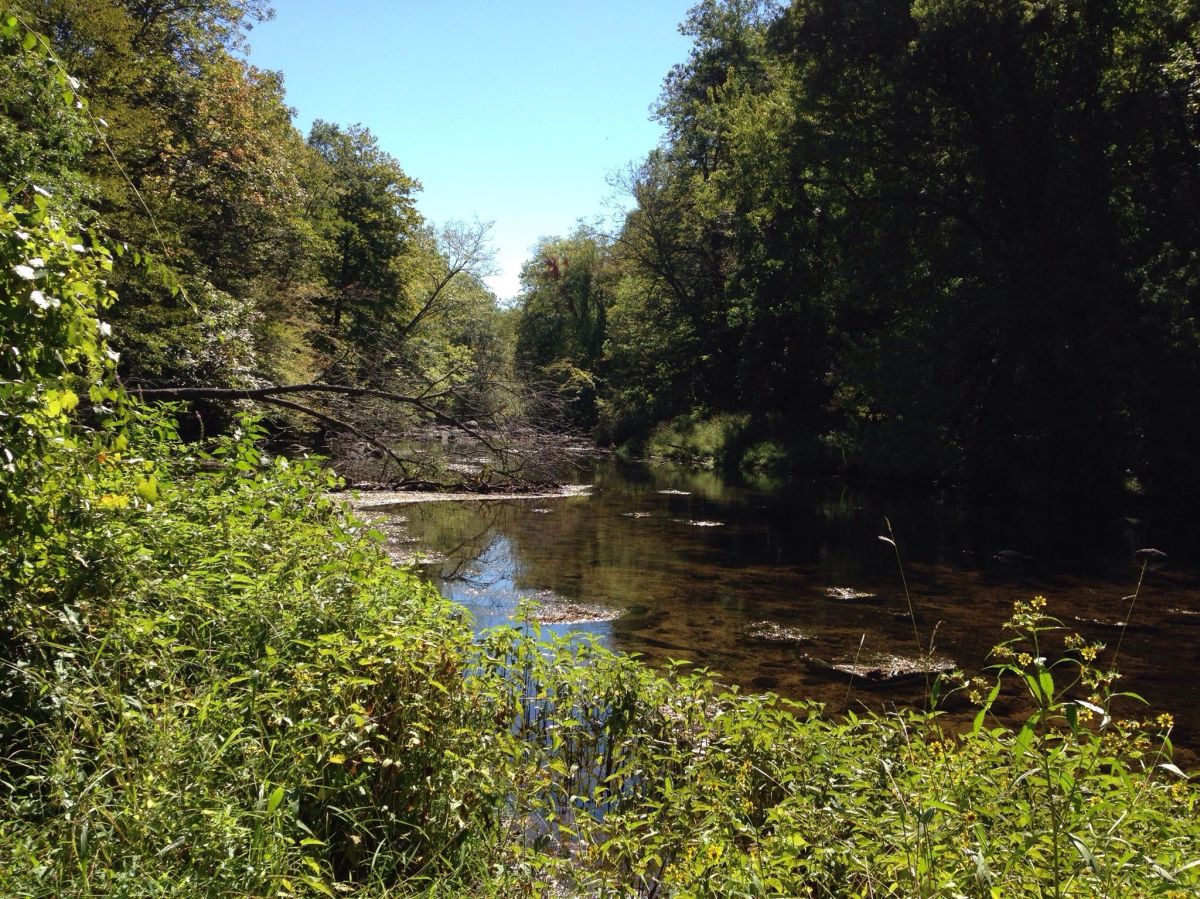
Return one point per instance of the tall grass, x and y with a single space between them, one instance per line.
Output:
228 691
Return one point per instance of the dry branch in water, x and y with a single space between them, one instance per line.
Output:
506 448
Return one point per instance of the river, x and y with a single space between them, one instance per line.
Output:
771 585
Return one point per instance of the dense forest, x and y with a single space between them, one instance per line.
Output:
952 242
944 241
258 256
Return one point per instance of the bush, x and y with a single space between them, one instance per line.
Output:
696 440
226 688
631 782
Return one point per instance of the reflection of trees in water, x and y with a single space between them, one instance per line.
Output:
480 571
569 550
461 538
694 587
692 592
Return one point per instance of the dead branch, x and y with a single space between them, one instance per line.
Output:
337 423
272 392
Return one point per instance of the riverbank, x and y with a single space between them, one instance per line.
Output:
251 699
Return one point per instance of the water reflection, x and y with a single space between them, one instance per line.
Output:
696 565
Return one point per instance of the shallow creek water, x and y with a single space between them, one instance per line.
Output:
732 577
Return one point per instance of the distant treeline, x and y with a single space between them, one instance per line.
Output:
952 242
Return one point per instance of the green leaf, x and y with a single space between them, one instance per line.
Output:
319 885
1085 853
1046 682
148 489
1024 741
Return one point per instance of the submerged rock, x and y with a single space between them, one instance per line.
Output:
635 514
1012 557
849 594
674 492
699 524
561 611
775 633
884 668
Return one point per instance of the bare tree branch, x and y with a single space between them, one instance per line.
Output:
465 251
271 394
337 423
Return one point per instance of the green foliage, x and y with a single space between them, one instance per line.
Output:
562 323
626 782
767 457
215 683
277 258
951 242
367 219
241 694
696 440
43 132
54 363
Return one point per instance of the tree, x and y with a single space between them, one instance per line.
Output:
942 237
986 165
368 218
566 290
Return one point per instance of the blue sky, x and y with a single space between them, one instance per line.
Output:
512 112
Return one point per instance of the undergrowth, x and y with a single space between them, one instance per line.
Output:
222 687
695 439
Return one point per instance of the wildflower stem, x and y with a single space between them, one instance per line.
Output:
1129 614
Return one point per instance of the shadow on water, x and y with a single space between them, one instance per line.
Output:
772 585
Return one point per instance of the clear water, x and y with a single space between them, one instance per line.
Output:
697 566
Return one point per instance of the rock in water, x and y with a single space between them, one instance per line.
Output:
775 633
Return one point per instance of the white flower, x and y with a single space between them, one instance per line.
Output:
24 271
77 247
105 329
113 355
41 190
21 235
37 262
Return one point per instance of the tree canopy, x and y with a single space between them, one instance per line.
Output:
945 241
275 258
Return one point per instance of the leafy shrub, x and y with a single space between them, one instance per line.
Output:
630 782
695 440
767 457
